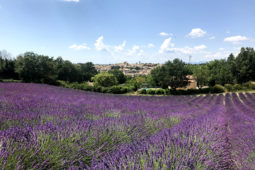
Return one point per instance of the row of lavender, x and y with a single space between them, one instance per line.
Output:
49 127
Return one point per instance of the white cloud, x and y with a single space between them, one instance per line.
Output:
79 47
200 47
72 1
235 39
197 33
164 34
166 46
150 45
136 50
100 46
120 47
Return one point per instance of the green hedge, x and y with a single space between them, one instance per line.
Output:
218 89
142 91
229 87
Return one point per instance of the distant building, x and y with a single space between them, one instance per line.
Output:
133 70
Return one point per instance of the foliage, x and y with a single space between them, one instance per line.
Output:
220 73
142 91
173 74
245 65
218 89
87 71
36 68
7 64
201 75
104 79
160 91
151 91
121 78
237 87
229 87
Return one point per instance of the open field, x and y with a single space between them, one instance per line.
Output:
47 127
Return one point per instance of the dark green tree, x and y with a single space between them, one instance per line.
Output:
245 65
119 75
67 71
220 73
87 71
173 74
7 66
35 68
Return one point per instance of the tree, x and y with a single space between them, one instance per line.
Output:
173 74
87 71
104 79
220 73
66 71
119 75
201 75
245 65
36 68
7 66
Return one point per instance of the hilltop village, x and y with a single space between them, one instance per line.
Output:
133 70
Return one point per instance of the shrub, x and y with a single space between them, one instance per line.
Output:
237 87
114 90
142 91
229 87
97 89
218 89
125 90
103 90
151 91
248 85
160 91
253 86
105 79
63 83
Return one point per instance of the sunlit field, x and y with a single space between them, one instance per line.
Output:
47 127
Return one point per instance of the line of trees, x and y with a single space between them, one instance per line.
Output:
32 67
233 70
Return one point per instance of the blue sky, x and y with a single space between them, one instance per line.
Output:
112 31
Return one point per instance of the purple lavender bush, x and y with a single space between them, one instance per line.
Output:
47 127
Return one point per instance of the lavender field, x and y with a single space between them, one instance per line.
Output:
47 127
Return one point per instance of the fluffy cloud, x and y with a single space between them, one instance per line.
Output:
79 47
166 46
164 34
200 47
136 50
120 47
235 39
100 46
197 33
72 1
